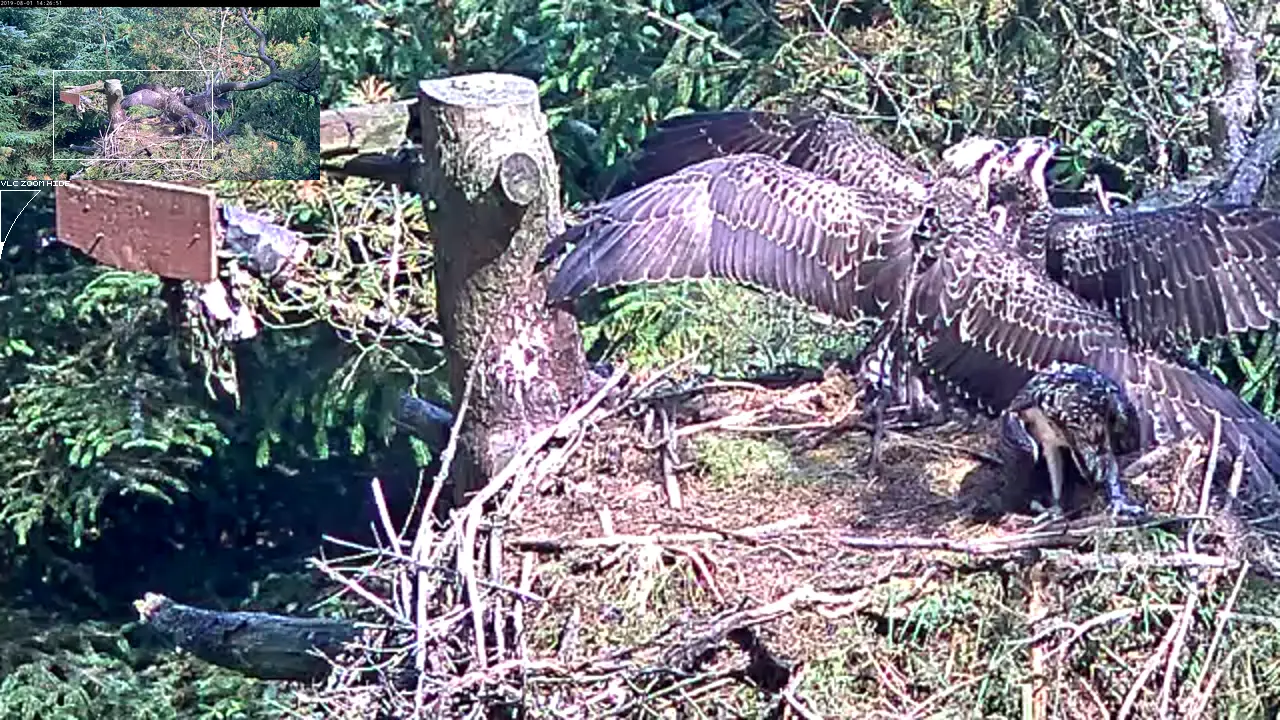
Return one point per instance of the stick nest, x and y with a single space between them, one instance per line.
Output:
721 547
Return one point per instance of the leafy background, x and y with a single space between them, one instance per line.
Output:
114 445
33 42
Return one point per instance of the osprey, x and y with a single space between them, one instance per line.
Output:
833 219
1171 276
806 205
1070 410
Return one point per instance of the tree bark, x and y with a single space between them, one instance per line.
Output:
115 94
489 168
261 645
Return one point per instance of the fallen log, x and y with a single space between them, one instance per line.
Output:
260 645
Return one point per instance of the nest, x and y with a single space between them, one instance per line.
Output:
152 147
602 575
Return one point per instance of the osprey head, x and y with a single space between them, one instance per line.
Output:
974 157
1030 157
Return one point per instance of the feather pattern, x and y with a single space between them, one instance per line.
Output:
985 316
1172 276
826 144
985 320
750 219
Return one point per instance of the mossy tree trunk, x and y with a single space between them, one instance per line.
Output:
489 168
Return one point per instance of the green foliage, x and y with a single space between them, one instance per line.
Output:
1247 363
84 681
730 330
81 42
32 44
739 462
323 385
93 408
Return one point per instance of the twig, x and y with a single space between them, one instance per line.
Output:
752 535
1161 652
1220 626
401 557
495 576
1036 609
1175 650
469 518
384 515
794 703
1139 561
517 618
553 545
359 590
936 445
422 540
1103 712
1008 543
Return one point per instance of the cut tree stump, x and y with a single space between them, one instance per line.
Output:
489 167
115 95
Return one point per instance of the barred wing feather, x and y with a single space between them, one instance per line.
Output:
751 219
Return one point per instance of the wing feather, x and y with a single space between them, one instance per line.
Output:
751 219
827 144
1183 273
988 320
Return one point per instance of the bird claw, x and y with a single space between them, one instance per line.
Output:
1125 509
1043 514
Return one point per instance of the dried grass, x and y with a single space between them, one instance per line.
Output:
793 584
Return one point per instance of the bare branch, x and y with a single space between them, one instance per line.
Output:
1230 113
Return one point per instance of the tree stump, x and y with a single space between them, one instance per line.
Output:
489 167
115 94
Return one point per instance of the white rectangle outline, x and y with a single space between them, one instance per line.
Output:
53 129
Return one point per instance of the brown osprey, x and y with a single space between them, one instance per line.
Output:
1070 410
982 318
805 205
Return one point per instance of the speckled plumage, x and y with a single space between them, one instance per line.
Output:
829 216
1070 410
1124 293
987 318
983 317
1171 276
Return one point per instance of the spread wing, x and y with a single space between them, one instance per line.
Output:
825 144
987 320
1173 276
750 219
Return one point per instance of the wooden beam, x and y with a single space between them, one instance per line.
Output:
366 128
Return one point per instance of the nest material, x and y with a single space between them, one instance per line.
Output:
571 587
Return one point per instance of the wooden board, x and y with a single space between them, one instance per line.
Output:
366 128
139 225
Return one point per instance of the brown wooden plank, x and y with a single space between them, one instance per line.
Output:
140 225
